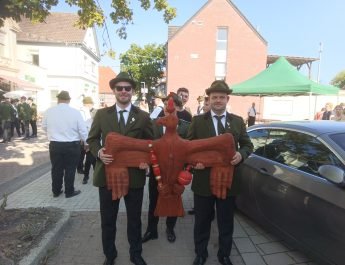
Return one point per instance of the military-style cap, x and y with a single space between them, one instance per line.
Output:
87 100
64 95
219 86
122 77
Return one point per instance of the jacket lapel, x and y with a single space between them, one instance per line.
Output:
132 119
209 124
112 118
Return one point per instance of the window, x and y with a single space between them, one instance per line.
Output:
221 53
298 150
35 59
258 138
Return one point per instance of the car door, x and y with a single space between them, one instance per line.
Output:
293 197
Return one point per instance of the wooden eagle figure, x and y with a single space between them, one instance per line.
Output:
172 153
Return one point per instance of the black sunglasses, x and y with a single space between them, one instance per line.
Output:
120 88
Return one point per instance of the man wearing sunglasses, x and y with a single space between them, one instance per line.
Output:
129 120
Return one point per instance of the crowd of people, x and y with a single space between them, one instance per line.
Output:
18 116
329 113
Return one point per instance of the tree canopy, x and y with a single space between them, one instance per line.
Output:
339 80
90 12
145 64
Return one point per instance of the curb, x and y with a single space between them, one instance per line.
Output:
49 239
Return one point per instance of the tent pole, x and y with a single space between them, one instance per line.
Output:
310 117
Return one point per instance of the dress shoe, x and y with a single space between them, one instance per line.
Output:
224 260
75 193
149 236
85 180
138 260
191 212
171 235
55 195
108 262
199 260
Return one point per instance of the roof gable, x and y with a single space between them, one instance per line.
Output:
174 30
57 28
105 74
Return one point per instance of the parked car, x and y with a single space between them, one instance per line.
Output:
293 184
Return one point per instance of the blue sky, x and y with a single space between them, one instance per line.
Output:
291 27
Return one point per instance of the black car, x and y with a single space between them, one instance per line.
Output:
293 183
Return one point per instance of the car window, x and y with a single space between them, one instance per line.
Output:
298 150
258 138
339 139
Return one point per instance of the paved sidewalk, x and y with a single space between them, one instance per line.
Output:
81 244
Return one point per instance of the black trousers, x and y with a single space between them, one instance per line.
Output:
15 124
251 120
26 126
204 209
89 160
152 219
64 159
109 210
81 158
33 124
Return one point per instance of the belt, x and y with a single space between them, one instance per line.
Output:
57 142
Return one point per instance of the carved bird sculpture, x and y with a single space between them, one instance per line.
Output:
172 153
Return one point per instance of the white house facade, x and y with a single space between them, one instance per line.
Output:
69 55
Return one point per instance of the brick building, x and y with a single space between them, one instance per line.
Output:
218 42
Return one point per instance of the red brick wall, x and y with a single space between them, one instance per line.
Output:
247 53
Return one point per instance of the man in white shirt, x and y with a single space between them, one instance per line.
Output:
251 115
65 128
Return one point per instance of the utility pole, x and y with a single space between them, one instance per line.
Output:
318 70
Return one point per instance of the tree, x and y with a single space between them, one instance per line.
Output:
90 12
339 80
145 64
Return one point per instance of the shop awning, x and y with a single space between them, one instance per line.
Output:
22 84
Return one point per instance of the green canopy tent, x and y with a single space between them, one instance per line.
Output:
282 79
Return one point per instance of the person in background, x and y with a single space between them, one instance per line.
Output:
65 128
252 115
184 94
128 120
213 123
206 106
328 111
15 120
158 107
338 114
88 113
319 114
151 230
25 113
33 120
200 100
6 115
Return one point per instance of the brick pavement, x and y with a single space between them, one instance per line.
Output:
80 243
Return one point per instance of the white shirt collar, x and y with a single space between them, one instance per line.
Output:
128 108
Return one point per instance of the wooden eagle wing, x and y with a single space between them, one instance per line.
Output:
126 152
215 152
211 152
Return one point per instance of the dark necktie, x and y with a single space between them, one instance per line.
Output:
220 126
122 123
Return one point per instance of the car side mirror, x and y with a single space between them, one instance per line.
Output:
332 173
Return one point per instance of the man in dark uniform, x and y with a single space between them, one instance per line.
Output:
124 118
213 123
151 231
